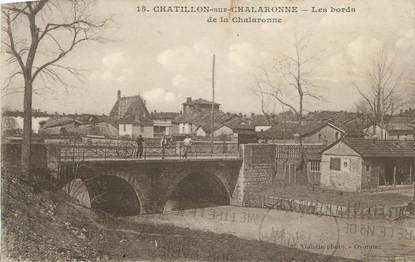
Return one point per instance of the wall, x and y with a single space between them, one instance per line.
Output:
376 133
327 134
186 128
125 129
262 128
258 169
146 132
56 130
348 178
200 132
224 130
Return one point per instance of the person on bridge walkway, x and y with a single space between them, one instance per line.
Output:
164 143
187 142
140 144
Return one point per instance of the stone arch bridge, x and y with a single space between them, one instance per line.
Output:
139 186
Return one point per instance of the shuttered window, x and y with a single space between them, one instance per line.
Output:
335 163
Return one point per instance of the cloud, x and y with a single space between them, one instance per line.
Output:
158 95
114 60
406 40
178 80
363 47
115 68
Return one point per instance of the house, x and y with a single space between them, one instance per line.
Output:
376 132
195 113
308 131
397 128
61 125
132 117
130 127
98 125
401 128
163 122
80 124
356 164
186 124
198 106
262 123
222 124
12 121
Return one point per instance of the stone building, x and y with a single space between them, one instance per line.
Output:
356 164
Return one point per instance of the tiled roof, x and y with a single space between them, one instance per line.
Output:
262 120
133 120
380 148
406 126
220 118
199 101
53 122
287 130
135 107
164 115
239 123
335 117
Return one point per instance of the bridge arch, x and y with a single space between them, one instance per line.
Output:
117 193
197 190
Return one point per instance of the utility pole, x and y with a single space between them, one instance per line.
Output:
213 105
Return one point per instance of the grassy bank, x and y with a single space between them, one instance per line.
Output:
50 226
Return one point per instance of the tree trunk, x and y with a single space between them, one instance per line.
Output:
27 131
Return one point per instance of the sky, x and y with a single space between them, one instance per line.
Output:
167 57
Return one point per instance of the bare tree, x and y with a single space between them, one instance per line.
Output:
289 82
37 36
257 89
381 83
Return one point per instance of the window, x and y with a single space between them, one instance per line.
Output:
124 127
315 165
335 163
367 168
141 128
346 165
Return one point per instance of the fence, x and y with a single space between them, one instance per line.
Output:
355 210
128 150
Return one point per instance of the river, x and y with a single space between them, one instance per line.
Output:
370 240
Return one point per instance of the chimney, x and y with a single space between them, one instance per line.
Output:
118 94
189 99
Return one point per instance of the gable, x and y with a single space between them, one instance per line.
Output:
340 149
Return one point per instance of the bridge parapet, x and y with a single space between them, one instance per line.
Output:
83 152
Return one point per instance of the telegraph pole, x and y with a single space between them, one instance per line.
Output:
213 105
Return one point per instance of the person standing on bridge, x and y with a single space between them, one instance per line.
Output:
187 142
140 144
164 143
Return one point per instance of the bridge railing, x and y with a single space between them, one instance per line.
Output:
82 151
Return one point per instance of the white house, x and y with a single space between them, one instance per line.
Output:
356 164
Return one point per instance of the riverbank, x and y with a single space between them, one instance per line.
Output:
48 225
